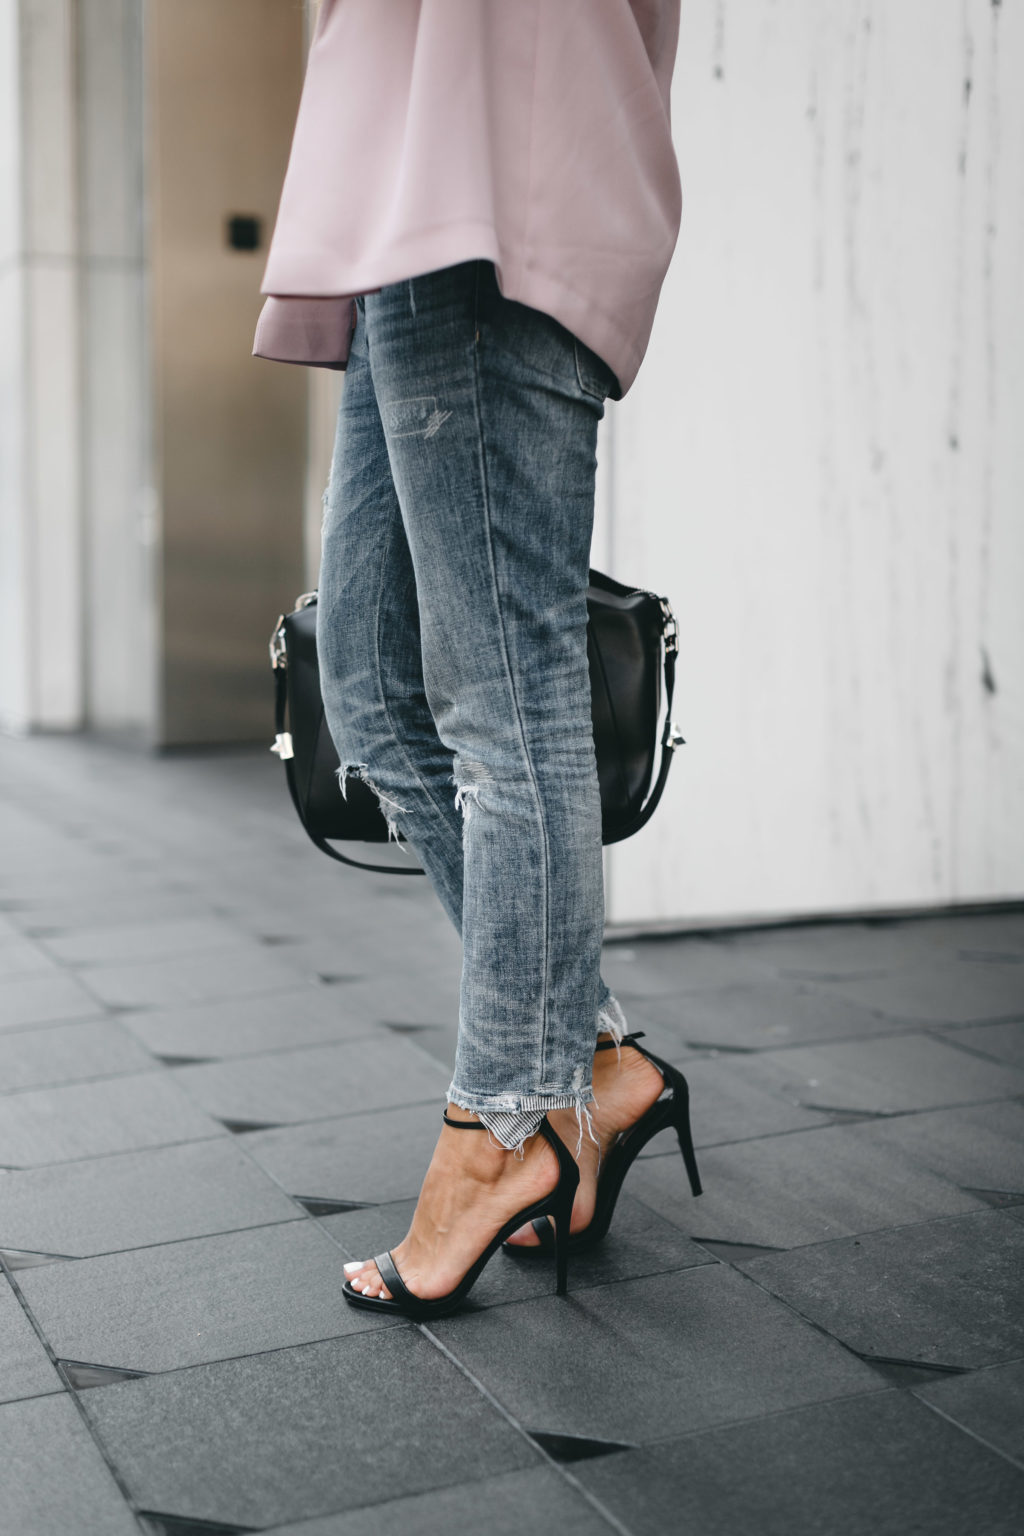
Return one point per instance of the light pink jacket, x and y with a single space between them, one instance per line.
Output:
531 133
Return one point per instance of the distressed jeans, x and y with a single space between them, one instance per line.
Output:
451 630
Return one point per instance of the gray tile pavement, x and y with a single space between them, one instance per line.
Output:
738 1098
55 913
844 950
990 1404
976 1147
284 1436
114 1114
186 1303
506 1505
54 1476
45 999
893 1075
759 1015
944 1292
135 1199
858 1094
20 957
647 1359
880 1466
674 968
956 993
27 1368
241 970
290 1086
787 1191
247 1026
367 1158
140 941
68 1053
1001 1042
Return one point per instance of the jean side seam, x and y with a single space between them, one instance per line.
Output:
485 483
396 735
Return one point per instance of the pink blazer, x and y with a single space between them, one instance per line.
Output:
531 133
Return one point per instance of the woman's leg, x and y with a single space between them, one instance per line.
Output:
368 639
490 439
368 642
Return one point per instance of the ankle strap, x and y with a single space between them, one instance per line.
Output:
609 1045
462 1125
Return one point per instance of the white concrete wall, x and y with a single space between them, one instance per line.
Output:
822 463
14 681
120 511
41 681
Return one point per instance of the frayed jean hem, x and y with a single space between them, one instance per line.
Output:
512 1119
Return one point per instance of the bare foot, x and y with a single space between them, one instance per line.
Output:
472 1188
626 1084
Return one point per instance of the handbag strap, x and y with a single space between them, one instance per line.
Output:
282 746
671 736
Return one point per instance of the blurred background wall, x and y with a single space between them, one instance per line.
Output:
822 463
153 474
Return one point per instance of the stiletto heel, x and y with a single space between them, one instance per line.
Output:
562 1219
557 1205
685 1136
671 1111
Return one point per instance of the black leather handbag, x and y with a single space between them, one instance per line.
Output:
631 646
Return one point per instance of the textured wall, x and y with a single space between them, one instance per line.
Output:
823 462
118 474
40 535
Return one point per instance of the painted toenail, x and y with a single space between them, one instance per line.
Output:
356 1264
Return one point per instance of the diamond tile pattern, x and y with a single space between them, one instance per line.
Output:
240 971
1001 1042
703 1346
59 1125
858 1096
877 1466
278 1437
365 1158
210 1298
66 1053
27 1371
45 999
543 1495
136 1199
988 1403
251 1025
954 993
895 1074
943 1292
784 1191
290 1086
54 1477
763 1014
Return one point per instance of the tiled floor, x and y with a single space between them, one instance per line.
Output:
221 1066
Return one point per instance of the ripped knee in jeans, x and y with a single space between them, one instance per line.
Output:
389 806
469 779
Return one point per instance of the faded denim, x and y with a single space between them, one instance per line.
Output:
451 629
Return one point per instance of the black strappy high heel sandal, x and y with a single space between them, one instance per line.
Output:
671 1110
557 1205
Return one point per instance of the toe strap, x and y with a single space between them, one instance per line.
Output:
392 1279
